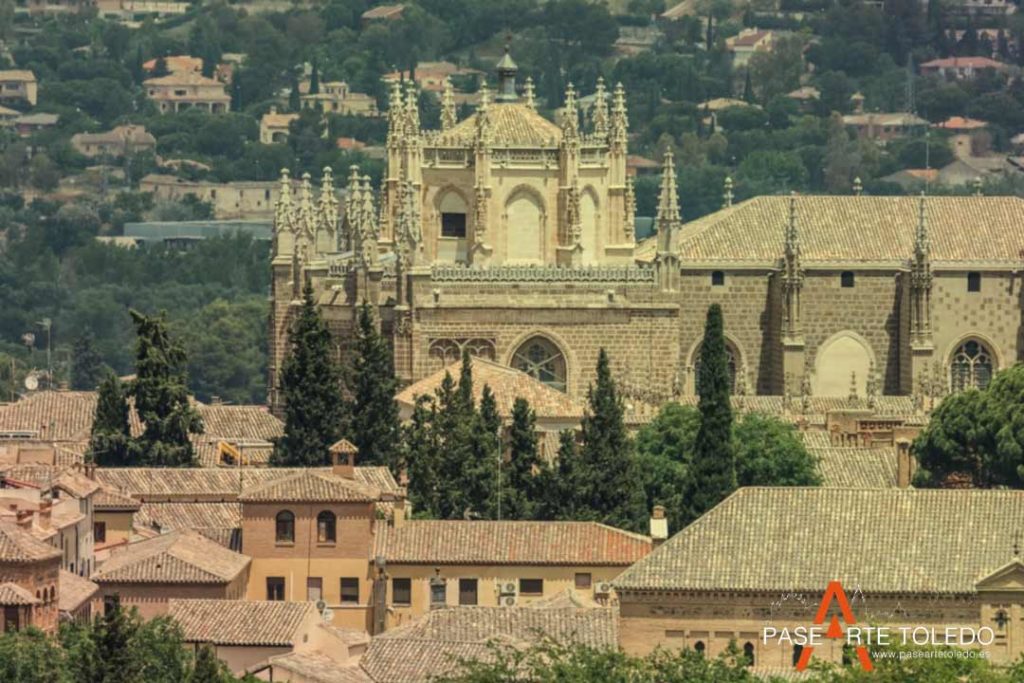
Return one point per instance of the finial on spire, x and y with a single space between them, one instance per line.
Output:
853 397
285 206
396 113
412 110
507 70
449 117
570 114
668 217
629 225
619 129
921 242
858 188
727 195
792 233
599 115
977 184
529 95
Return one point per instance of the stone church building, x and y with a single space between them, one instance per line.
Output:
512 237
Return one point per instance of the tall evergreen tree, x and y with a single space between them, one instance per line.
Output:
110 443
314 79
748 87
519 471
713 471
294 102
422 456
452 427
113 634
612 494
86 363
375 427
160 68
479 476
315 411
161 396
559 484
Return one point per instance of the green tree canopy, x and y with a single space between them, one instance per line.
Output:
110 442
375 428
86 363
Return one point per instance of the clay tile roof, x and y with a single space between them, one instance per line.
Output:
512 124
193 515
247 422
961 123
432 645
535 543
12 594
343 446
854 229
110 498
799 539
242 622
183 556
506 383
19 546
317 668
74 591
384 12
17 75
312 487
183 78
863 468
51 415
76 483
963 63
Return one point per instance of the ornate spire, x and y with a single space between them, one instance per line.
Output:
620 120
327 214
483 116
396 113
727 195
599 116
872 386
529 97
574 216
668 218
507 70
412 110
629 225
285 207
922 244
853 397
448 114
408 227
479 214
792 273
306 216
369 233
792 233
570 115
858 187
353 214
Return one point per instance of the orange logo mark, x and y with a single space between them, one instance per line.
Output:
835 591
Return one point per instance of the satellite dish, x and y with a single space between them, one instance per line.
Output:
31 382
321 605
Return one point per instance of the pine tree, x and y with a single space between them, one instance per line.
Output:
86 363
110 443
559 485
314 79
479 476
160 68
315 411
519 471
611 493
294 102
713 471
748 88
422 455
138 72
161 396
451 428
375 428
113 635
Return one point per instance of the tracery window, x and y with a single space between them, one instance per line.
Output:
447 351
730 355
542 360
971 367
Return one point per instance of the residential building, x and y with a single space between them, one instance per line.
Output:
432 76
960 67
176 64
991 9
113 519
383 13
178 564
120 141
77 598
334 97
881 127
274 127
178 92
764 555
57 7
747 43
431 564
29 124
29 577
18 86
243 199
8 116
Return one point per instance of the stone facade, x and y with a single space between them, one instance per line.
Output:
514 236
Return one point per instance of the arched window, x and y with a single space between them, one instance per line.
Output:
285 527
797 651
748 653
541 359
53 594
971 367
699 647
326 531
730 357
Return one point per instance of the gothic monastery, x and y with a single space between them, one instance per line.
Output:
512 237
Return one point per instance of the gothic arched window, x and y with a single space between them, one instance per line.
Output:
541 359
748 653
971 367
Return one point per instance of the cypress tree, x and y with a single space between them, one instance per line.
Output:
606 456
110 441
161 396
113 635
315 412
86 364
713 471
478 475
294 102
423 457
314 80
559 485
452 437
160 68
748 88
375 428
519 470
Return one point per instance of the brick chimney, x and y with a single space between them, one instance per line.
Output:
343 459
906 465
659 525
44 516
24 519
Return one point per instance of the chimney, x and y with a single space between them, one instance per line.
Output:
90 470
659 525
44 515
905 463
343 459
24 519
398 513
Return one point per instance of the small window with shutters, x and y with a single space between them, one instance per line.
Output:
467 591
401 591
350 591
531 586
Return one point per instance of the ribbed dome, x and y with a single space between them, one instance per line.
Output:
513 124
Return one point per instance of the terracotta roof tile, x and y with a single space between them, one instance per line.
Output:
506 383
19 546
863 468
536 543
74 591
242 622
312 486
513 124
799 539
183 556
12 594
317 668
110 498
181 515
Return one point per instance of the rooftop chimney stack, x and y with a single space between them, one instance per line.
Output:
659 525
343 459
